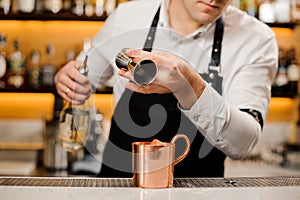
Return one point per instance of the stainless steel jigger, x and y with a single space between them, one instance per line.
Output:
143 72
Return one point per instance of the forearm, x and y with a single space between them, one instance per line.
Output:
190 92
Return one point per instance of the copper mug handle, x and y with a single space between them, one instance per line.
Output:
187 149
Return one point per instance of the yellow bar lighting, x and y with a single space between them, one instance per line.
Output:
35 35
283 110
105 104
27 106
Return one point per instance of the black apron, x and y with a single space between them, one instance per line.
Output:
136 111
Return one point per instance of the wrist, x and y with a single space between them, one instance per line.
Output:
188 95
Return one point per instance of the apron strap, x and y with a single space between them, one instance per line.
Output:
151 34
217 45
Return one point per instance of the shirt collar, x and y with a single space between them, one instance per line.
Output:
164 21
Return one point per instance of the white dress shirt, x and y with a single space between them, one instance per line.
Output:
248 67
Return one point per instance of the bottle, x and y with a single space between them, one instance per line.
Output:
16 67
3 64
78 7
48 70
282 11
39 6
99 8
266 12
75 122
89 8
295 10
33 75
53 6
67 5
26 6
281 80
110 6
293 72
243 5
70 55
252 7
5 6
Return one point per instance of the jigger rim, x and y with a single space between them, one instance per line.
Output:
136 67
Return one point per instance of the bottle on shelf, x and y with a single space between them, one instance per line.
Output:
89 8
243 5
99 8
70 55
87 45
5 6
252 7
110 6
75 122
16 67
26 6
3 63
48 70
295 10
53 6
78 8
281 79
282 11
266 12
33 75
293 71
67 5
249 6
39 6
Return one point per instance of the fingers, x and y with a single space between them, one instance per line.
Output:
126 74
71 85
71 70
71 94
138 55
148 89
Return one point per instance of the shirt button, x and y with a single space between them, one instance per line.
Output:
196 117
219 139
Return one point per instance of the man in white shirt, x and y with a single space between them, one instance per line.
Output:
213 84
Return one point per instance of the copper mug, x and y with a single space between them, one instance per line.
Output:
153 162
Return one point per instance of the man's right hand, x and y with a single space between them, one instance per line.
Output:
71 85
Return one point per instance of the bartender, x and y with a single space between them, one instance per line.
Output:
215 66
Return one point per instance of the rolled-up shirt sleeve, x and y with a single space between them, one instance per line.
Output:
224 125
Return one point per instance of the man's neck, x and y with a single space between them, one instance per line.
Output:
180 20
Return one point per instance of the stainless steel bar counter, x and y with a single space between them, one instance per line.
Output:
183 188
